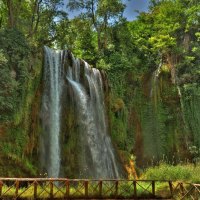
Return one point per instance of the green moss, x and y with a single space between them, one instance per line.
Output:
191 111
165 69
149 123
19 136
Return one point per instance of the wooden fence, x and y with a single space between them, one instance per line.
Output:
61 188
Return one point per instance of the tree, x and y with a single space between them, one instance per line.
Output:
81 43
37 19
101 14
14 55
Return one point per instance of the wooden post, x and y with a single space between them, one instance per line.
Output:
86 188
35 189
51 189
135 188
16 188
116 188
100 188
1 185
67 188
153 188
182 189
171 189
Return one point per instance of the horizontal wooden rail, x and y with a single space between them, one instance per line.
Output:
19 188
64 179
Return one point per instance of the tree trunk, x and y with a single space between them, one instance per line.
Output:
35 19
172 60
11 23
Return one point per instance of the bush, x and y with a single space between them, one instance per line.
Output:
14 56
8 87
181 172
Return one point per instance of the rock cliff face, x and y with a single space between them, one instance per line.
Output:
20 134
151 120
155 120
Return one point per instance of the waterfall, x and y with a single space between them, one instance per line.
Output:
83 87
189 99
98 156
50 112
154 84
152 121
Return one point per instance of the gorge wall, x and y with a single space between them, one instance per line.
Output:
150 120
160 116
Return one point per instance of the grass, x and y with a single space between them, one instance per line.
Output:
181 172
185 173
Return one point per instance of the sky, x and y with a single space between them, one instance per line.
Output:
133 5
130 11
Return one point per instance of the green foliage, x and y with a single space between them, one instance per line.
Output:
181 172
119 127
144 111
154 137
3 59
8 90
101 15
19 79
167 33
162 42
16 49
14 70
191 97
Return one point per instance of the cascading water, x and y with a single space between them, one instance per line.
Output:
154 85
50 112
84 89
152 124
97 156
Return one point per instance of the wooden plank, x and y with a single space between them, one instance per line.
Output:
182 189
135 189
51 189
186 194
16 188
64 179
100 188
153 188
116 188
67 192
1 186
198 185
171 189
35 189
86 188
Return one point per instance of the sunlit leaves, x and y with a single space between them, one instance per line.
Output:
14 70
110 9
193 17
162 42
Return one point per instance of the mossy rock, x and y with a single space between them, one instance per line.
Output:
118 105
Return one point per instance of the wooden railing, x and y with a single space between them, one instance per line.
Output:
61 188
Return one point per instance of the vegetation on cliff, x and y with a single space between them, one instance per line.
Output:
152 64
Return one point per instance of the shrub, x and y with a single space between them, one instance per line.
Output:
180 172
14 56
